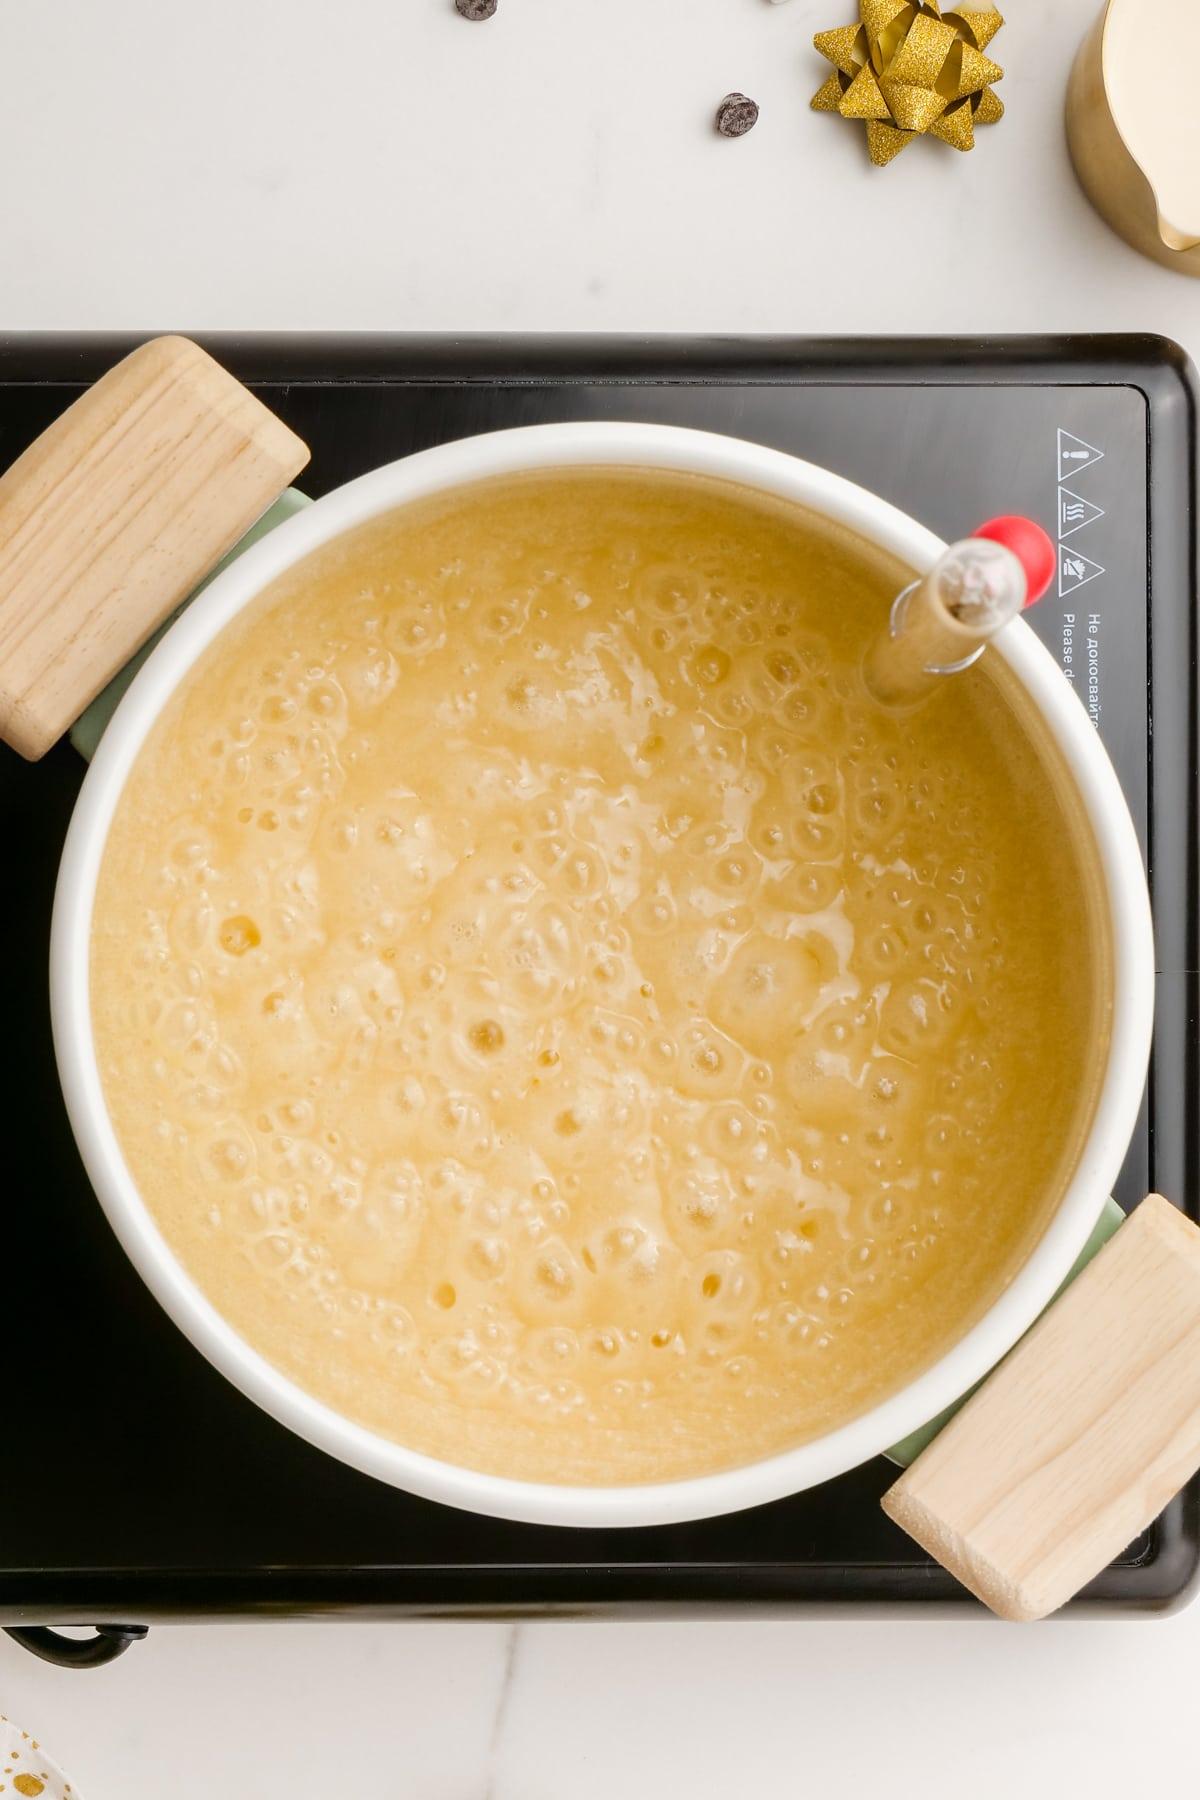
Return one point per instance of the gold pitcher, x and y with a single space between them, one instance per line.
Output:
1133 125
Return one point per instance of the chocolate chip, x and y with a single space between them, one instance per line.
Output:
475 9
736 115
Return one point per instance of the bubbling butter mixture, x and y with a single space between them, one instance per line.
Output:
557 1017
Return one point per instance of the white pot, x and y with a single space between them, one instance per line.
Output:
449 466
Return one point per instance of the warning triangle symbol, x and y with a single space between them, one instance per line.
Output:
1074 455
1074 512
1074 570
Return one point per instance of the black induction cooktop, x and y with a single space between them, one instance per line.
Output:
138 1483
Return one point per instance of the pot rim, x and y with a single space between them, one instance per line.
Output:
458 464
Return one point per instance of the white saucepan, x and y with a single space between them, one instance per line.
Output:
1098 796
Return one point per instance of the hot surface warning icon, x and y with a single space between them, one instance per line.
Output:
1074 512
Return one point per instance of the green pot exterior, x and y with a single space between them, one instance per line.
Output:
909 1448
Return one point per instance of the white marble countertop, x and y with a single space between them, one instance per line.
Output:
383 165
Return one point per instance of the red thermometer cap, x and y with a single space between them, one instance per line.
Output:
1031 546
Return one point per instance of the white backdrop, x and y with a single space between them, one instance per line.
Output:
381 164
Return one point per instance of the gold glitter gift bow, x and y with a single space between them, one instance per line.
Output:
906 68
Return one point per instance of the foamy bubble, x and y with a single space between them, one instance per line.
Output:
769 986
672 590
914 1019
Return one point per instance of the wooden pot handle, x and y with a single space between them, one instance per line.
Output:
1080 1437
114 514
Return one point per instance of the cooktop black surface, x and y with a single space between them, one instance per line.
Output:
139 1484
